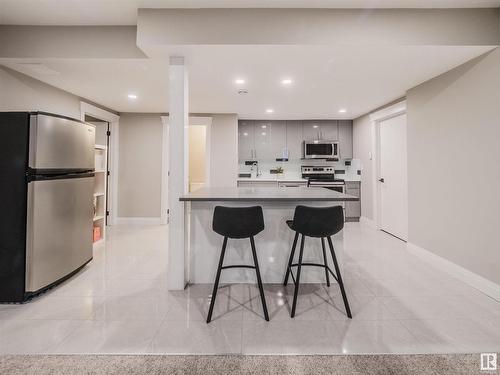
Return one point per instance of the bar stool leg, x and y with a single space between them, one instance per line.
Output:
259 280
297 281
341 283
290 260
325 261
217 277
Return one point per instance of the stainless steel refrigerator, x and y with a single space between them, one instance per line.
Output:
46 201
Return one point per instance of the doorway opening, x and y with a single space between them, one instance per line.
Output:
197 157
102 173
197 175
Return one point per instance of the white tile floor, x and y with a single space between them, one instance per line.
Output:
120 304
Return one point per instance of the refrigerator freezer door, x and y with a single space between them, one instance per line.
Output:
59 143
59 229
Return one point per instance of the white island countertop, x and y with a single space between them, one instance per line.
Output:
271 194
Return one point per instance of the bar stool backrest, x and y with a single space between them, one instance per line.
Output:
318 221
238 222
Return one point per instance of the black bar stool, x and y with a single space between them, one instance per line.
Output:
319 222
238 222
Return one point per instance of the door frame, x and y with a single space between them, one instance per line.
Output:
114 122
376 118
193 121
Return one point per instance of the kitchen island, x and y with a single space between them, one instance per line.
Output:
203 246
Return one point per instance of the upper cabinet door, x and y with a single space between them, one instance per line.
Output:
311 130
246 140
329 130
345 139
263 136
294 139
278 140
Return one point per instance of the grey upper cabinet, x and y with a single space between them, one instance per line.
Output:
329 130
246 140
269 140
311 130
262 131
278 139
294 139
320 129
345 138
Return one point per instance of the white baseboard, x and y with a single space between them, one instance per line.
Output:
366 221
473 279
138 220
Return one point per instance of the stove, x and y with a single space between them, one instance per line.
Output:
322 176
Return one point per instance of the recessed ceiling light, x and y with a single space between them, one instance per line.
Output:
269 110
286 81
342 110
263 126
239 81
132 96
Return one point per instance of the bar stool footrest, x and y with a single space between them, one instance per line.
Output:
314 265
238 266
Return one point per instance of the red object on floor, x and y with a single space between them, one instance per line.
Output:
97 234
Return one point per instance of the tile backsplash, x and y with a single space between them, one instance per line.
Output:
292 168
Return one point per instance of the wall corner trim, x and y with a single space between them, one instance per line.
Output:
478 282
139 221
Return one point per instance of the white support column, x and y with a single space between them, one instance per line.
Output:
178 179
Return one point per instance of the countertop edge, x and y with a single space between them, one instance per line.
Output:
250 199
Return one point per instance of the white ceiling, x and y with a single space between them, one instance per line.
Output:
325 78
124 12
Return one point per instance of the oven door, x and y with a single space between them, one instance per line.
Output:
339 188
335 187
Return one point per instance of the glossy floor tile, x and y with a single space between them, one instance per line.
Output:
120 303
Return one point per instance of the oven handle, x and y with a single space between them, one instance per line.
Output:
322 184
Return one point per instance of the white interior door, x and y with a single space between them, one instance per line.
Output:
393 178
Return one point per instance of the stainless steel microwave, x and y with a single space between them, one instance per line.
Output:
321 150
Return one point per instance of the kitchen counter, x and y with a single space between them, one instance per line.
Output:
272 179
203 245
271 194
291 179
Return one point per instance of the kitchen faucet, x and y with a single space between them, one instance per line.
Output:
256 164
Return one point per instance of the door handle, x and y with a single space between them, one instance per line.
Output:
381 180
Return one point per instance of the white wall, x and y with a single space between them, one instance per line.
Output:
197 156
19 92
362 148
316 26
139 175
453 165
224 150
111 42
